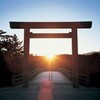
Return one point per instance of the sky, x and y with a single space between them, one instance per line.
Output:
57 11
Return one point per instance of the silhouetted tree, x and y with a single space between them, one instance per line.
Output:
11 49
11 44
1 32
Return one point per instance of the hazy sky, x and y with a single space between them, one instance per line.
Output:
54 10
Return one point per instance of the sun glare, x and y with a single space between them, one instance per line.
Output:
50 57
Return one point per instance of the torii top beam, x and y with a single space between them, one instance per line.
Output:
21 25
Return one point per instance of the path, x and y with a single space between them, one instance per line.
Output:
63 90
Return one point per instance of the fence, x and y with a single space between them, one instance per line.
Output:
84 79
66 72
17 79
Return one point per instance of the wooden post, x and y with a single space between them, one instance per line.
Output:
87 77
75 69
26 57
13 80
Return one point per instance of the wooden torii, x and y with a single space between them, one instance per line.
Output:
50 25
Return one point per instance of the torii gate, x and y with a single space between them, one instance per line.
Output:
40 25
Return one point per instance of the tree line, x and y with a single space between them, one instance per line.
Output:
11 52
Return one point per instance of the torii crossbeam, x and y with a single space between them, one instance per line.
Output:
50 25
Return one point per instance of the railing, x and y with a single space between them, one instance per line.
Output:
66 72
34 72
17 79
84 79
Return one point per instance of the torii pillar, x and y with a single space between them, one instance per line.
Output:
38 25
26 57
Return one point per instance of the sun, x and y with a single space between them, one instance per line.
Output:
50 56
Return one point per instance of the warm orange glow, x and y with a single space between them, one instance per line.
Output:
50 57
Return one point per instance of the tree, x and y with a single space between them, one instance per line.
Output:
1 32
11 44
11 49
